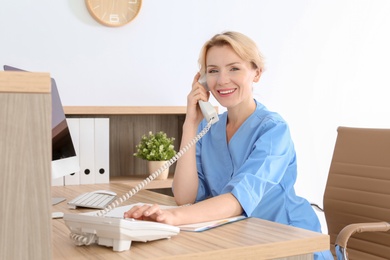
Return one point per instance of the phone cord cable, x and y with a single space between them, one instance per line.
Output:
83 238
89 238
155 174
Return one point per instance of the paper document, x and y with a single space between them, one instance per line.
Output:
196 227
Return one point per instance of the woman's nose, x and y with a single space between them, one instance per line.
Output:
223 78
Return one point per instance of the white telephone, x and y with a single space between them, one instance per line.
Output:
118 233
207 109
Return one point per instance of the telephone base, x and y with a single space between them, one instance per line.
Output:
117 245
114 232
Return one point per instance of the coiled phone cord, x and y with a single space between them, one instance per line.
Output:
155 174
82 238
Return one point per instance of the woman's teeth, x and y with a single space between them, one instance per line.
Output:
226 91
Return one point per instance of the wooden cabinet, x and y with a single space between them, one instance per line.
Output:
25 166
127 125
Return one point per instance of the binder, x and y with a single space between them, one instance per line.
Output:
102 150
57 182
74 129
87 150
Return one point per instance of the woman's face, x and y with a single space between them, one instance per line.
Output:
229 78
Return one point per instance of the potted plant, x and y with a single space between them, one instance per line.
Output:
157 149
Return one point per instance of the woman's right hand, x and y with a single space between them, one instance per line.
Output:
185 180
198 92
151 213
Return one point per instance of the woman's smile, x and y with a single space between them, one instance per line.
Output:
226 92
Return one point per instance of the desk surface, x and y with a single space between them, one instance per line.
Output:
251 238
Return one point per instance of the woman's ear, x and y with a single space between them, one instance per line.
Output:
257 75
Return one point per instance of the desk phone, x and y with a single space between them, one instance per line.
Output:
118 233
114 232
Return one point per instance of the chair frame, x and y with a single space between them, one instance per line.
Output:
357 193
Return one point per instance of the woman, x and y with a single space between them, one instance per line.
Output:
246 164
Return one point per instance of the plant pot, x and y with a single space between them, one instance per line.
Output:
155 165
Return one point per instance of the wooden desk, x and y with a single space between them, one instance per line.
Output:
247 239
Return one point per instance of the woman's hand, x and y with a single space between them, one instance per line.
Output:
151 213
198 92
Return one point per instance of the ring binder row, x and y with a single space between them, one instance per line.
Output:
91 139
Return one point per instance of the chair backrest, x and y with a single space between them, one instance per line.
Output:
358 189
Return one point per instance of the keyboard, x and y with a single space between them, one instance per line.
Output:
94 200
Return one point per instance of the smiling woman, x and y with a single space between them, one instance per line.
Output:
113 13
247 161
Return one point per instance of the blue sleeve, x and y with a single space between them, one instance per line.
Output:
270 156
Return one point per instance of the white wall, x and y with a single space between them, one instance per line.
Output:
327 61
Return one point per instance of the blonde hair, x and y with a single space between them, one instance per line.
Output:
242 45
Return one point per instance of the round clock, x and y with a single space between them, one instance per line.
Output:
113 13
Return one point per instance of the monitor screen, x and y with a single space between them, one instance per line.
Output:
64 158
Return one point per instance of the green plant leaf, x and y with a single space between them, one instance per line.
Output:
155 147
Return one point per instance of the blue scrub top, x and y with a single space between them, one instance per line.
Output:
258 166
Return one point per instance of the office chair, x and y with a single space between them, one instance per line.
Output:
357 194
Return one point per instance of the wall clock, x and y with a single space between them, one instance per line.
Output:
113 13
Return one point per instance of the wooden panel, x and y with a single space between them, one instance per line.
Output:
25 172
124 110
126 132
24 82
134 180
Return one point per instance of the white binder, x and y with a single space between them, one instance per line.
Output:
87 150
102 150
57 182
74 129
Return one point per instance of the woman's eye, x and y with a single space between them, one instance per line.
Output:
212 71
234 69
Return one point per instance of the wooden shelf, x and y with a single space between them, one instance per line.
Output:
127 125
125 110
136 179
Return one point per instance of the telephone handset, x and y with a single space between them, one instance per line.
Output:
208 110
118 233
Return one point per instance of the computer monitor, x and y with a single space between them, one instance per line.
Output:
64 158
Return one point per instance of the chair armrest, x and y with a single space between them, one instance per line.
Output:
348 231
351 229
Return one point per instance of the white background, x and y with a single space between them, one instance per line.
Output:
327 62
